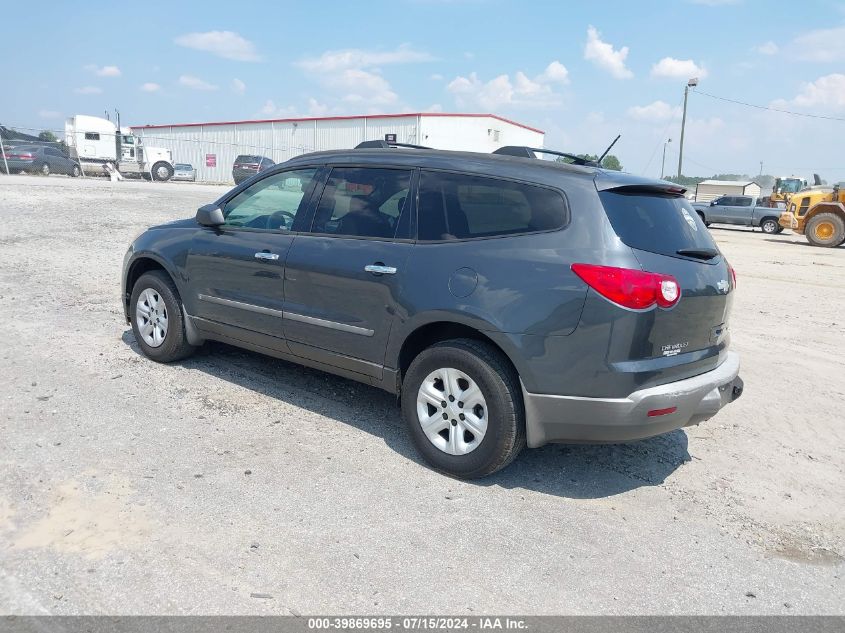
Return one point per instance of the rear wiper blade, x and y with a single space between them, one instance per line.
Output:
700 253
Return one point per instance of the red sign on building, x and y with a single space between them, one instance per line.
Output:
211 160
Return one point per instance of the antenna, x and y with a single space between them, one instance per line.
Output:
609 147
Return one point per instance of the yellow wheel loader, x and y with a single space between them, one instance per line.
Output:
818 213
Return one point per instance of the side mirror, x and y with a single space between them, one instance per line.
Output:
712 203
210 215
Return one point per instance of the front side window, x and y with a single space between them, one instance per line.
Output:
363 202
272 203
459 206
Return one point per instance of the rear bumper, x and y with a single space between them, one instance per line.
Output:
550 418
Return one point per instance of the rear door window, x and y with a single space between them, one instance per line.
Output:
655 223
363 202
461 206
743 201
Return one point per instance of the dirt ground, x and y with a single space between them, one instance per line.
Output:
232 483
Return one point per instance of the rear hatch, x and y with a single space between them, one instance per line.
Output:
667 237
246 163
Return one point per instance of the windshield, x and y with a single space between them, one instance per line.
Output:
790 185
656 223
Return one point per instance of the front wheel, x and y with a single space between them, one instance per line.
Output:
825 229
162 171
462 404
770 226
75 171
157 319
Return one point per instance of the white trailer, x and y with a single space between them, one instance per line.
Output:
94 141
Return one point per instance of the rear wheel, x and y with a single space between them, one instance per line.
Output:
770 226
75 171
44 170
462 404
825 229
157 319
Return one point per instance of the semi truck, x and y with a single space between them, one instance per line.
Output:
95 142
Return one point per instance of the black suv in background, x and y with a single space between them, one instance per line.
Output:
247 165
506 300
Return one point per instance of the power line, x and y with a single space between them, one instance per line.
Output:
759 107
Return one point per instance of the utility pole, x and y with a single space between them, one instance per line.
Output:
761 169
663 164
690 84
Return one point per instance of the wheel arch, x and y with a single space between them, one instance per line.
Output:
426 334
143 263
825 207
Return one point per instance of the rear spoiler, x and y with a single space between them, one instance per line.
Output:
632 185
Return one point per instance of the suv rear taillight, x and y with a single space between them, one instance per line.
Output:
629 288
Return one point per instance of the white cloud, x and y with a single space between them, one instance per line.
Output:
826 92
104 71
88 90
49 114
501 90
150 87
225 44
672 68
436 77
315 109
654 111
555 72
238 87
821 45
334 61
355 77
767 48
434 107
604 56
195 83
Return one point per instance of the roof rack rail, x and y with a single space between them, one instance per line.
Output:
387 145
530 152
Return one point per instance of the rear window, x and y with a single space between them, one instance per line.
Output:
184 166
655 223
245 158
460 206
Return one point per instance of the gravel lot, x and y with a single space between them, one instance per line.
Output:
233 483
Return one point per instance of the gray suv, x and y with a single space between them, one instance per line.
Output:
504 299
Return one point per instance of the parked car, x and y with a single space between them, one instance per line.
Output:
247 165
505 300
740 210
184 171
38 159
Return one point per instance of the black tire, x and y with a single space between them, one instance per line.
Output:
818 237
75 171
159 170
701 215
44 169
769 226
175 345
499 384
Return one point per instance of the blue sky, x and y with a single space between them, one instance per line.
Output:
583 72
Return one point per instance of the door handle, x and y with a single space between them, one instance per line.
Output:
266 255
380 269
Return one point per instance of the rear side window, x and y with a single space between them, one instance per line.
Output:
743 201
460 206
655 223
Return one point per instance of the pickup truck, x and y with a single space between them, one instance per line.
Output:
739 210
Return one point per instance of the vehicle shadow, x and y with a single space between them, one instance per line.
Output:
577 471
794 243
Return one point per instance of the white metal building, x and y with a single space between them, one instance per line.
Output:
212 147
708 190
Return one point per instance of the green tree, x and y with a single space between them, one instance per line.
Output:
610 161
48 136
